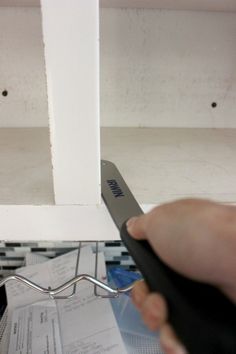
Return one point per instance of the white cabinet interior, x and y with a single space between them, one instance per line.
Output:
168 88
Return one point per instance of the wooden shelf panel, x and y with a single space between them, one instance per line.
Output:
25 167
165 164
158 164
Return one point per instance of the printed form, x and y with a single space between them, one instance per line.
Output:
35 329
81 325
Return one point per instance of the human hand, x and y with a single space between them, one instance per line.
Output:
204 229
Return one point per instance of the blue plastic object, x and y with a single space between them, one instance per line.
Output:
122 277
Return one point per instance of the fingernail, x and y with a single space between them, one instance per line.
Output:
181 350
170 344
131 222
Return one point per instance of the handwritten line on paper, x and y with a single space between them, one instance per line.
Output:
99 332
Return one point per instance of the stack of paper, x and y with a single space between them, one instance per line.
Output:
81 325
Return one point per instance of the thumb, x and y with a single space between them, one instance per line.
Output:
136 227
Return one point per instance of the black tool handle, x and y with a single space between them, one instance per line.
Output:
203 318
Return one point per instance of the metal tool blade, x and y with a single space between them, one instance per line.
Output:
116 194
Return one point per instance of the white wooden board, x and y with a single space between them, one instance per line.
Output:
71 38
160 165
25 167
60 223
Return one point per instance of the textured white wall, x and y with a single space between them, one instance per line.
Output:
202 5
22 71
158 68
165 68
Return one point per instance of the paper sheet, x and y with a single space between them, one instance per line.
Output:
35 329
51 273
34 258
5 327
5 323
91 322
87 324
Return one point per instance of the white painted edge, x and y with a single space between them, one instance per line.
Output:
57 223
71 46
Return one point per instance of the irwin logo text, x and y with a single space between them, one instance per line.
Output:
115 188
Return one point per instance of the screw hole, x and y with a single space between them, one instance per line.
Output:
214 105
5 93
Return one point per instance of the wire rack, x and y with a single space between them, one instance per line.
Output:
55 293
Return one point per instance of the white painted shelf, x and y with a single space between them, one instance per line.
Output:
158 164
203 5
25 166
164 164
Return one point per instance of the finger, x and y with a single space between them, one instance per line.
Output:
169 341
154 311
136 227
139 293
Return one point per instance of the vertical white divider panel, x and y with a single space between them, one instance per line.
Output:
71 41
